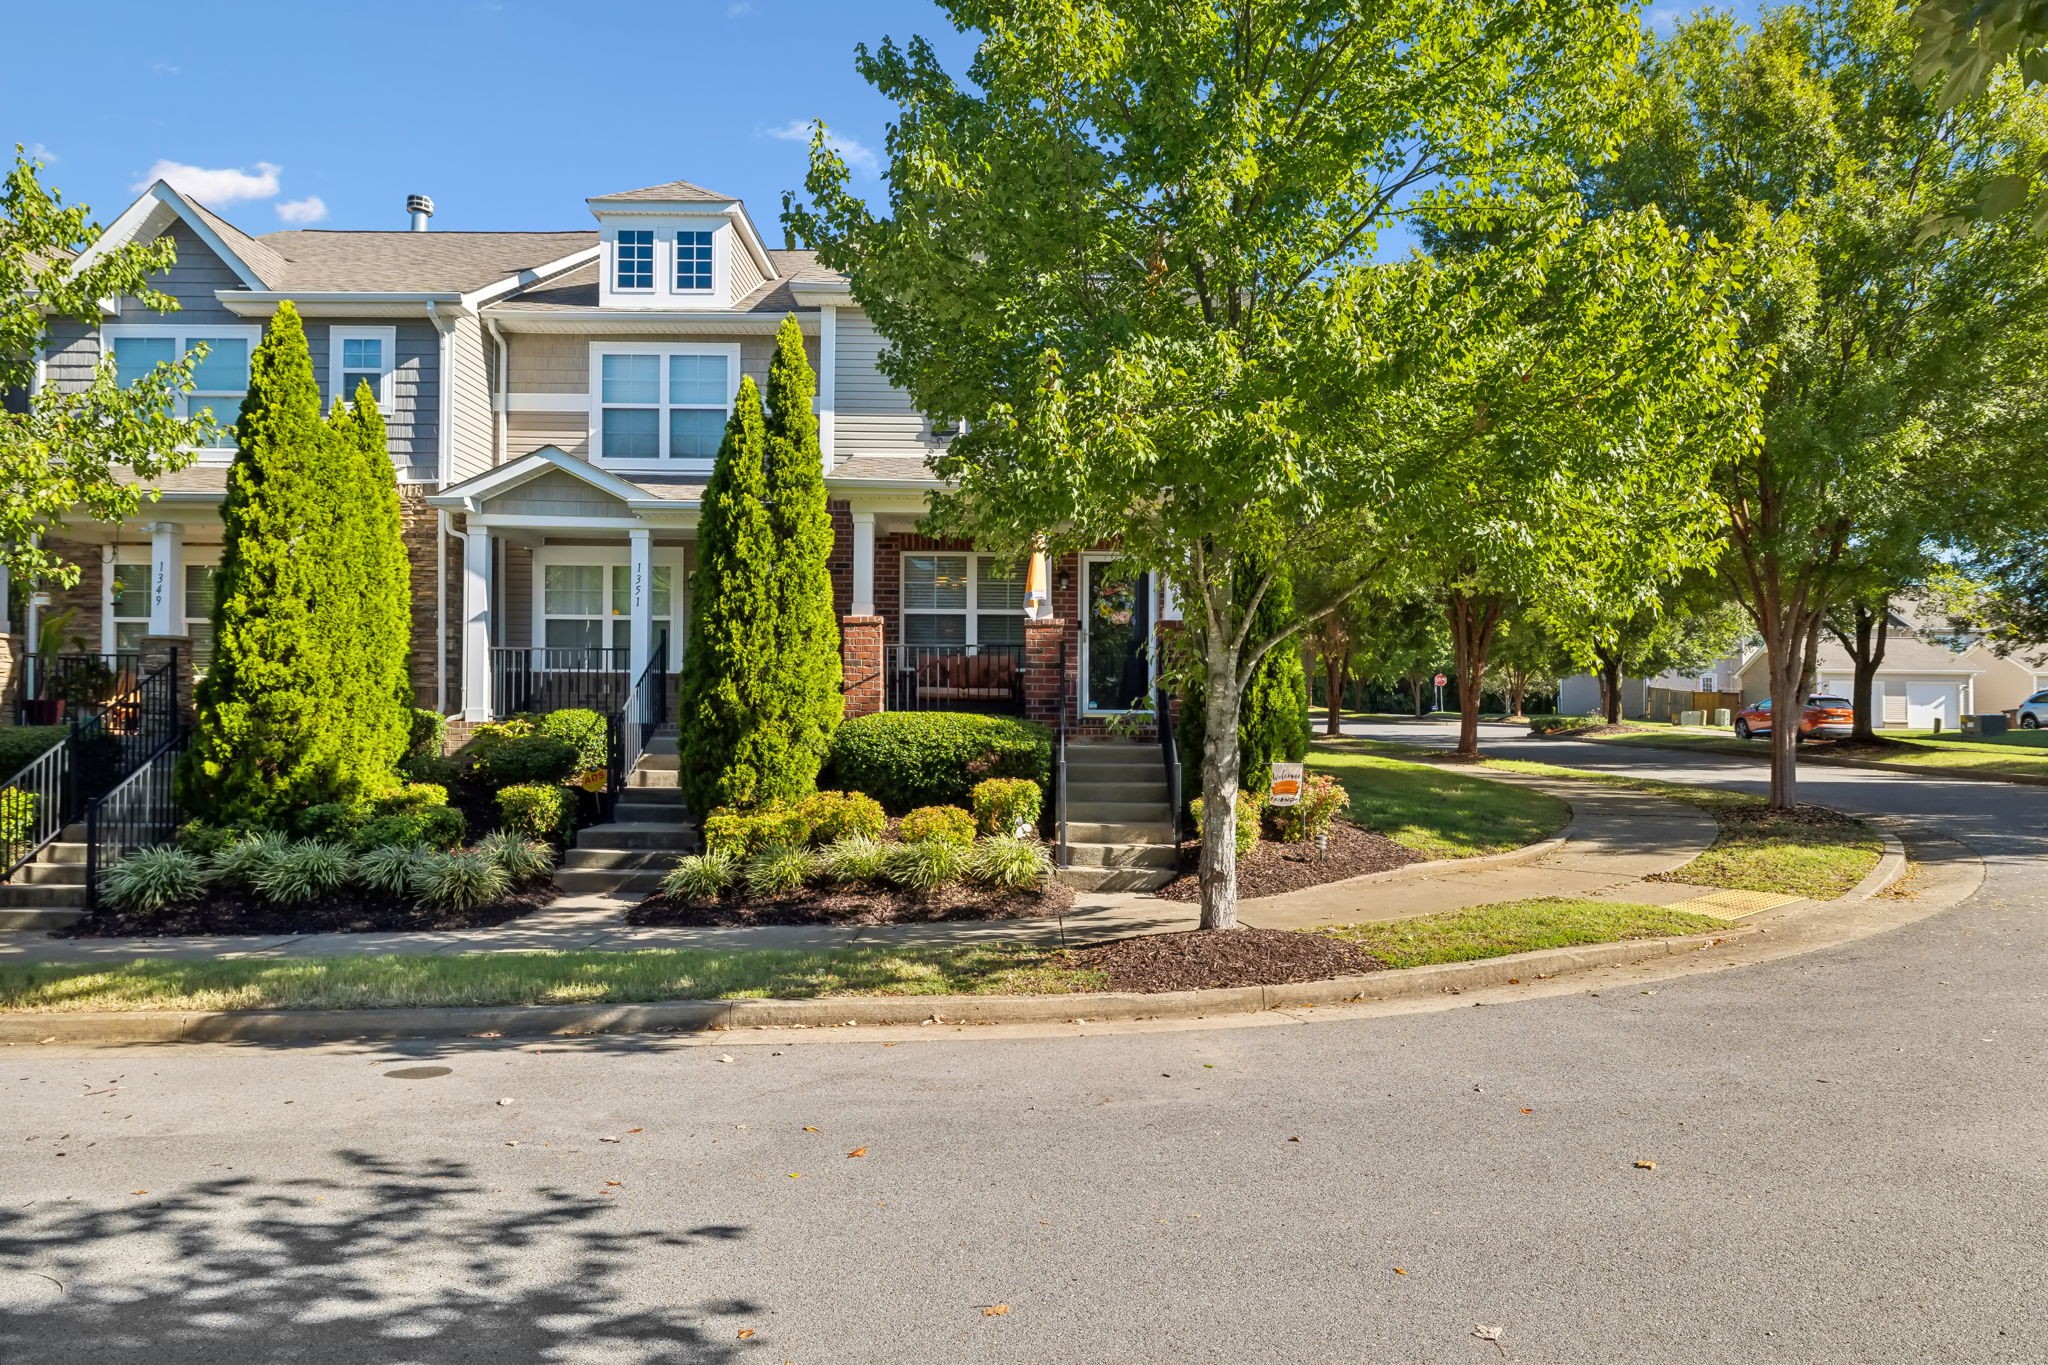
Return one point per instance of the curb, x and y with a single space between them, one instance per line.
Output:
1891 866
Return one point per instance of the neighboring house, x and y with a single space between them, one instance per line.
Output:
1930 672
555 400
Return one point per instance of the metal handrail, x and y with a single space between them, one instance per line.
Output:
644 711
139 810
1170 756
1059 761
32 806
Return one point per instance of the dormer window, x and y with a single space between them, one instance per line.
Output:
693 262
633 263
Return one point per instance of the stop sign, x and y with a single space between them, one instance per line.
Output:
1441 680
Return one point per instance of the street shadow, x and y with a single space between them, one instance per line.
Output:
397 1261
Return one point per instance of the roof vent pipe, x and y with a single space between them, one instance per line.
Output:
421 208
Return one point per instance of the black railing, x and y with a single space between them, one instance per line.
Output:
140 810
645 711
985 678
1169 752
55 687
543 679
32 807
1059 760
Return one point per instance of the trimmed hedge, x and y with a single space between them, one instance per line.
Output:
907 759
21 745
1553 725
582 729
535 758
537 811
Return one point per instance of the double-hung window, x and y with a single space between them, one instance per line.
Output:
662 403
128 606
955 598
590 606
128 598
633 259
220 380
693 262
362 355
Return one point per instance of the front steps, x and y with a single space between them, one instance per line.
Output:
49 892
648 831
1119 822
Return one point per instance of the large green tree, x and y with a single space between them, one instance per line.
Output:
1877 305
1134 251
807 701
370 619
732 744
60 456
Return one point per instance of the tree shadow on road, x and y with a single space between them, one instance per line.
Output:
392 1262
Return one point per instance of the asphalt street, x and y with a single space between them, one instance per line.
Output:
1836 1157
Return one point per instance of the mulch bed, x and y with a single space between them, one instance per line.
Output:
1591 732
1272 868
1763 817
858 905
354 913
1197 961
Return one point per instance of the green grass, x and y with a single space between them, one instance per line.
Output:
2018 753
1518 927
372 982
1438 812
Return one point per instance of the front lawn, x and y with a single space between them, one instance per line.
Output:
1483 931
1438 812
2019 753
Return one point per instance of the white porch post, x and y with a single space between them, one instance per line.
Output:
640 638
476 625
166 579
828 383
863 563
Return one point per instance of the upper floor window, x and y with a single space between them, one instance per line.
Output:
359 355
693 262
658 403
633 265
220 381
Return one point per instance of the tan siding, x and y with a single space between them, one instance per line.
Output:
469 401
526 432
556 495
746 275
872 416
548 364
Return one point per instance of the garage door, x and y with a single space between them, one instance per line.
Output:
1927 702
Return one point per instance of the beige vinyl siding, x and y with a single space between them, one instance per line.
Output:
746 274
526 432
547 364
471 442
871 415
556 495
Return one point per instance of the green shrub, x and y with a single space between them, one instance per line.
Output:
949 823
537 811
17 815
582 730
927 866
524 860
413 796
152 878
1004 805
856 858
1552 725
428 735
701 877
460 881
304 870
743 833
841 815
534 758
440 827
241 861
1249 808
778 870
436 768
1311 817
202 840
389 869
337 820
21 745
1008 861
906 759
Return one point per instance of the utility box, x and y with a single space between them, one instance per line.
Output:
1724 718
1992 723
1692 718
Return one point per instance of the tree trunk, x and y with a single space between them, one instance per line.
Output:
1518 690
1415 681
1866 655
1610 687
1333 676
1218 875
1472 625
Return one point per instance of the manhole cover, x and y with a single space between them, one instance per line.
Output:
418 1073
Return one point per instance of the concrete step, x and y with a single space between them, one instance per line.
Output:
1115 789
63 851
1114 756
652 762
1122 855
30 920
1115 878
629 811
16 896
674 837
652 779
1159 831
1115 812
620 859
40 873
608 881
661 743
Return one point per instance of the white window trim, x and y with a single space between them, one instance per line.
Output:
675 260
973 609
133 556
608 557
662 350
1081 608
179 332
388 336
653 262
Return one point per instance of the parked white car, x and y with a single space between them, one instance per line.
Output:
2034 711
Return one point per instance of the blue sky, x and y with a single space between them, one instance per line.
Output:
508 112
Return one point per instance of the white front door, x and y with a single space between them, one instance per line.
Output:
1928 702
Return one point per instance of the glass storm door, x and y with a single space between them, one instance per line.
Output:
1116 652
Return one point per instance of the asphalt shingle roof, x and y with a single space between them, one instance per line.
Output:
578 288
412 262
673 192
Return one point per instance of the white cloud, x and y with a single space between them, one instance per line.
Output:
38 152
166 69
214 187
738 8
300 212
854 154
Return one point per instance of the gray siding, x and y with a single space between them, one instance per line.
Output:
69 353
561 364
871 416
191 282
556 495
415 414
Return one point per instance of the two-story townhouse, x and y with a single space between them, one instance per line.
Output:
555 401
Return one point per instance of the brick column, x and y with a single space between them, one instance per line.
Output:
156 649
1042 669
13 648
860 659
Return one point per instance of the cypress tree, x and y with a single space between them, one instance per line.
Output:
808 702
269 738
729 673
372 617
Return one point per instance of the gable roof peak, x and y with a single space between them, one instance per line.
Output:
671 192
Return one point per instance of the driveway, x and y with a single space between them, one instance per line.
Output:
1850 1162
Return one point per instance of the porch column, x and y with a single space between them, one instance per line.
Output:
863 564
166 579
476 625
640 637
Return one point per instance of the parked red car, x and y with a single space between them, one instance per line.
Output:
1827 716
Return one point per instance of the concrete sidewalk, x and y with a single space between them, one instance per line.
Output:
1615 839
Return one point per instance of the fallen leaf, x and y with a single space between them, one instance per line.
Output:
1646 1165
746 1332
142 1192
1208 1066
1514 981
796 1175
995 1310
888 1045
615 1183
809 1129
631 1131
1399 1271
858 1151
607 1139
1492 1334
1294 1139
510 1143
1528 1111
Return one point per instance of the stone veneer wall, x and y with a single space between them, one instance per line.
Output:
418 525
